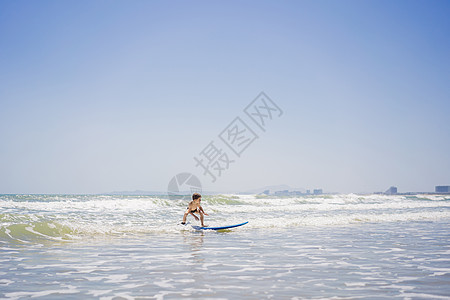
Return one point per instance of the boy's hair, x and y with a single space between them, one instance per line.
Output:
196 196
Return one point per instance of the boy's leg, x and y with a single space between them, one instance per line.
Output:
201 219
184 217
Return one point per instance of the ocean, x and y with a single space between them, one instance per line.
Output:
305 247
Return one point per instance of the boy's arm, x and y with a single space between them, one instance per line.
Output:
201 209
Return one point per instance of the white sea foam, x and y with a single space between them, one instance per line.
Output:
328 247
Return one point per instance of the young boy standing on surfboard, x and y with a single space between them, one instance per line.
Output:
194 207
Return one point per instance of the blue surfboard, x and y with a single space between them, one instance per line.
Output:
218 228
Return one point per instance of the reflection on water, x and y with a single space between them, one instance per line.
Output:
194 245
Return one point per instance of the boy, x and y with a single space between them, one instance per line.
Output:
194 207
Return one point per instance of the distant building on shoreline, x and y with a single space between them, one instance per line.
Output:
442 189
281 193
391 191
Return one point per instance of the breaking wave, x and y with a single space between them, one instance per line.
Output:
37 218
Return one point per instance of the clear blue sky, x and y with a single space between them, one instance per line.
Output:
97 96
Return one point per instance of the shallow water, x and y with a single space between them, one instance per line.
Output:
359 247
